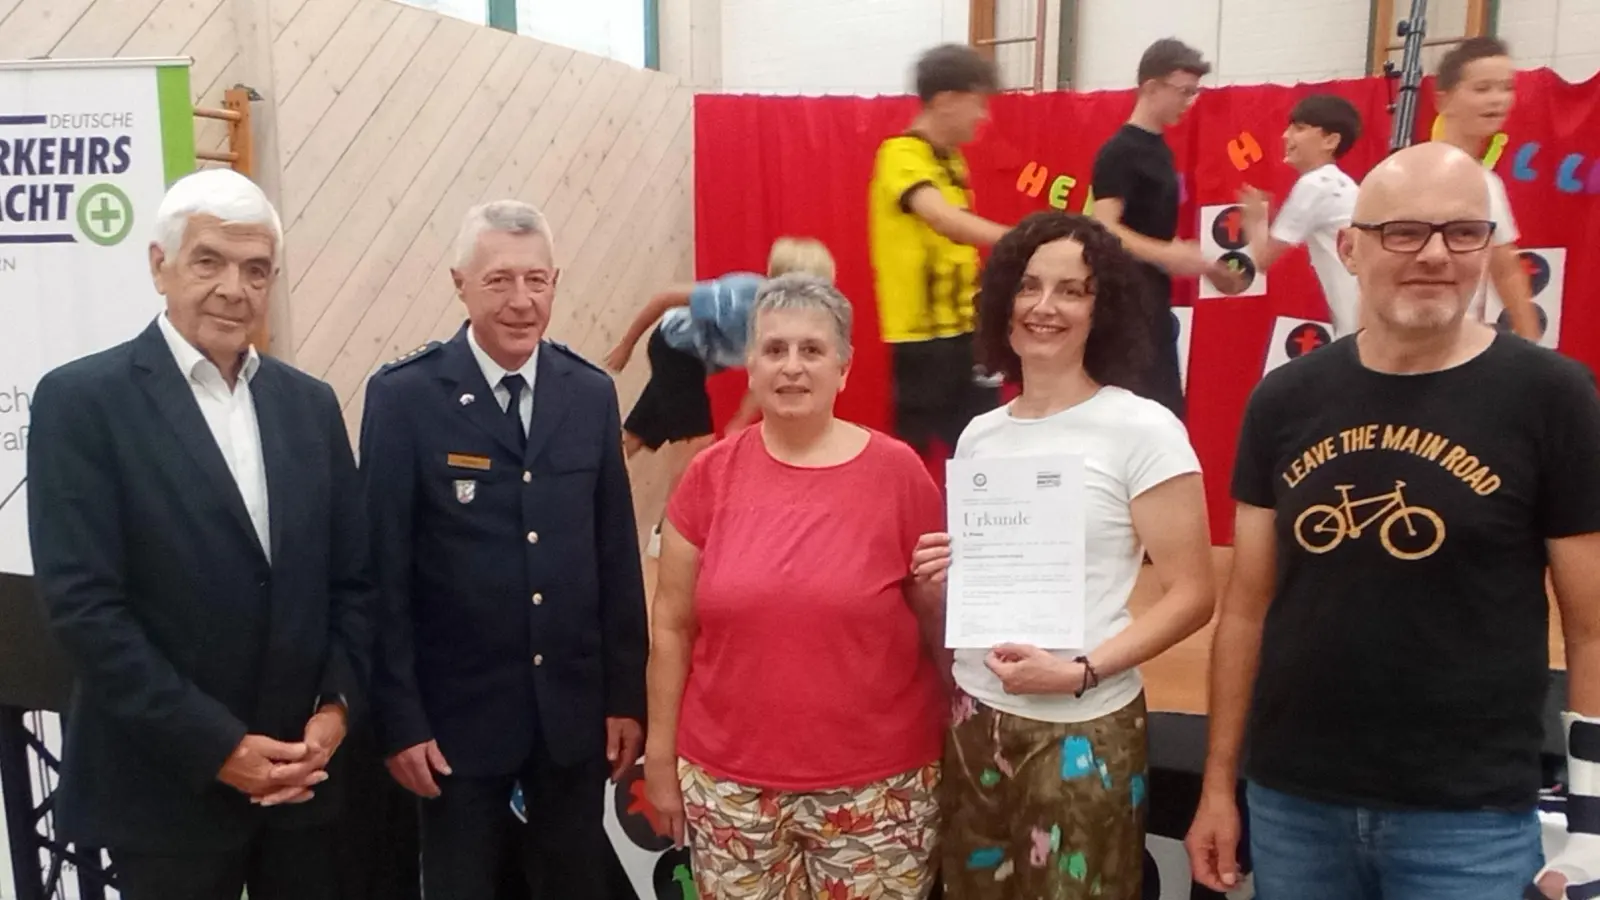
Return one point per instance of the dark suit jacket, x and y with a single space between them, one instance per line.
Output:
183 635
513 602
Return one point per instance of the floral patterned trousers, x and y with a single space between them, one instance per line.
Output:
1043 810
870 843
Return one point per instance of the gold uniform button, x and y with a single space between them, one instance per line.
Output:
538 659
527 477
533 537
538 599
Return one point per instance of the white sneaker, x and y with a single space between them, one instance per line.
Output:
653 548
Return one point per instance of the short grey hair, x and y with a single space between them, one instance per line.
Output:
800 291
510 216
222 194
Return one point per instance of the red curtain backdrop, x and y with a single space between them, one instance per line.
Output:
771 166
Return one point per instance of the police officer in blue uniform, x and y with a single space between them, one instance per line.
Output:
512 636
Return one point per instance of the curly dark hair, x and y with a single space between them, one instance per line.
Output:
1119 346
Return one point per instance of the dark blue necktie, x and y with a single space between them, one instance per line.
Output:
515 384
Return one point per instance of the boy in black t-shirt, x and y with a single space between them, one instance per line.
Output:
1136 196
1381 658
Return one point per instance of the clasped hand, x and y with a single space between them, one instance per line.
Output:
272 772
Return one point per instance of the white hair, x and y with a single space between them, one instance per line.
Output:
222 194
510 216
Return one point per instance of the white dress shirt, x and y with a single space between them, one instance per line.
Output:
492 373
231 416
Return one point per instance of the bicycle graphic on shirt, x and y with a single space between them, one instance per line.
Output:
1323 527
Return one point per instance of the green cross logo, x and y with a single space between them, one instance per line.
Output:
105 215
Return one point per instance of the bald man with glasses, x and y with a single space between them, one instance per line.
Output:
1381 658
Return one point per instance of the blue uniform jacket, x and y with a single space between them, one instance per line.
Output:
512 598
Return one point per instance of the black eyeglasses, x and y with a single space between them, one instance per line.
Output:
1461 236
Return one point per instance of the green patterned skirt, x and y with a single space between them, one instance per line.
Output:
1044 810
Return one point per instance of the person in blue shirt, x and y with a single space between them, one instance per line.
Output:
702 331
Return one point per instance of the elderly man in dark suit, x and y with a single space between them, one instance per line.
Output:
512 645
200 544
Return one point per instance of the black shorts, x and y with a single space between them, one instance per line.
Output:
674 405
935 391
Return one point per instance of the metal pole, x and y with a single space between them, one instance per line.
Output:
21 825
1412 30
1039 23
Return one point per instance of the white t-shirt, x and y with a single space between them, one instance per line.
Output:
1505 232
1129 445
1317 208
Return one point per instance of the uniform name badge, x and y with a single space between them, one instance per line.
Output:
466 490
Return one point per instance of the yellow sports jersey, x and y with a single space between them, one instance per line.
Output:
924 280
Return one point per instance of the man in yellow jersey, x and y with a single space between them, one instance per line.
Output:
924 250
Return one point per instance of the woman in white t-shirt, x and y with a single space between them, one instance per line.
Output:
1044 768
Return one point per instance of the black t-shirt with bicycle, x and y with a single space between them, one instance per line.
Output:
1405 655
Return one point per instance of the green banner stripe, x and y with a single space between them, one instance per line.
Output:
177 121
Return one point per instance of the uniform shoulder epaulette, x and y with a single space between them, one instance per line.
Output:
411 357
573 354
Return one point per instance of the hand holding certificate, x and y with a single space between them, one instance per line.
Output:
1017 552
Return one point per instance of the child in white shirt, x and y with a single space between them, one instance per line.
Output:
1477 84
1322 129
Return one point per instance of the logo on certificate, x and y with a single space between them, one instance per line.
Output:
979 479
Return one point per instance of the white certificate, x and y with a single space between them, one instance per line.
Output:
1017 552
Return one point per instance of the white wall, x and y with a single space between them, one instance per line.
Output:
867 46
832 46
474 11
1561 34
1244 40
1284 41
1020 18
690 33
609 28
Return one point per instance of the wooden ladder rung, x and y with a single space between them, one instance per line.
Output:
981 34
1386 18
995 42
1434 42
236 112
226 115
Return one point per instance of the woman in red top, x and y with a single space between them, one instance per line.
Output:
795 711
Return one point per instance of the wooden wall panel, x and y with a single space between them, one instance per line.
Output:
432 251
310 157
304 37
377 259
304 106
172 25
422 317
392 122
356 226
103 29
317 207
34 28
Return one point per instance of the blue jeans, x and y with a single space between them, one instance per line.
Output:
1305 850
